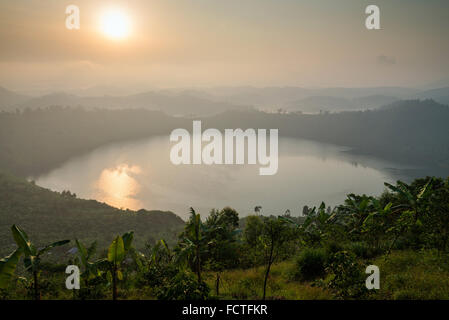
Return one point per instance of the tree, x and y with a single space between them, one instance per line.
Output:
192 243
251 234
276 232
220 237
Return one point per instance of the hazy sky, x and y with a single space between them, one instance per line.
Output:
184 43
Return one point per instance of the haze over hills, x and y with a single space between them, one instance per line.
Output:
210 101
315 104
441 95
283 97
172 104
9 99
409 131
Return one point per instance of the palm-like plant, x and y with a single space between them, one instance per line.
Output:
117 252
8 266
159 253
90 268
355 211
192 242
32 256
317 224
410 207
376 223
411 200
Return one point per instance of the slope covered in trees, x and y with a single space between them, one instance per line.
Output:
48 215
412 132
35 141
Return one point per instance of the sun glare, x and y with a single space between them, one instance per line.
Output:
118 187
115 24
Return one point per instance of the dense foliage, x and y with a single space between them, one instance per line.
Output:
48 215
405 231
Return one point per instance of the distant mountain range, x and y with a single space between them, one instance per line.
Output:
171 104
210 101
332 104
10 99
282 97
440 95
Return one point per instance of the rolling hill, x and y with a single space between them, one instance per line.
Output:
9 99
440 95
172 104
315 104
47 216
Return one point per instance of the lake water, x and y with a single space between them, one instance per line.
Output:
140 175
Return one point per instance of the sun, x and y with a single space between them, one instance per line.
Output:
115 24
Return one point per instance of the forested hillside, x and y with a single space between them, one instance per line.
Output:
411 132
48 215
32 142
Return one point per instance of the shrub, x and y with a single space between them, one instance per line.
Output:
183 286
360 249
363 250
347 278
156 275
332 247
310 264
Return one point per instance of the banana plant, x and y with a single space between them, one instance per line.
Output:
8 266
411 205
192 242
410 200
32 255
90 268
117 252
160 253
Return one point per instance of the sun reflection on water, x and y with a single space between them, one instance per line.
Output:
117 186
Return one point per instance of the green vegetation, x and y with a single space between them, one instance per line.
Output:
47 215
323 255
32 259
310 263
412 132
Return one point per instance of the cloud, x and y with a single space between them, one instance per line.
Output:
385 60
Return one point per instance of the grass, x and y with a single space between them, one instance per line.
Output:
420 275
417 275
248 284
